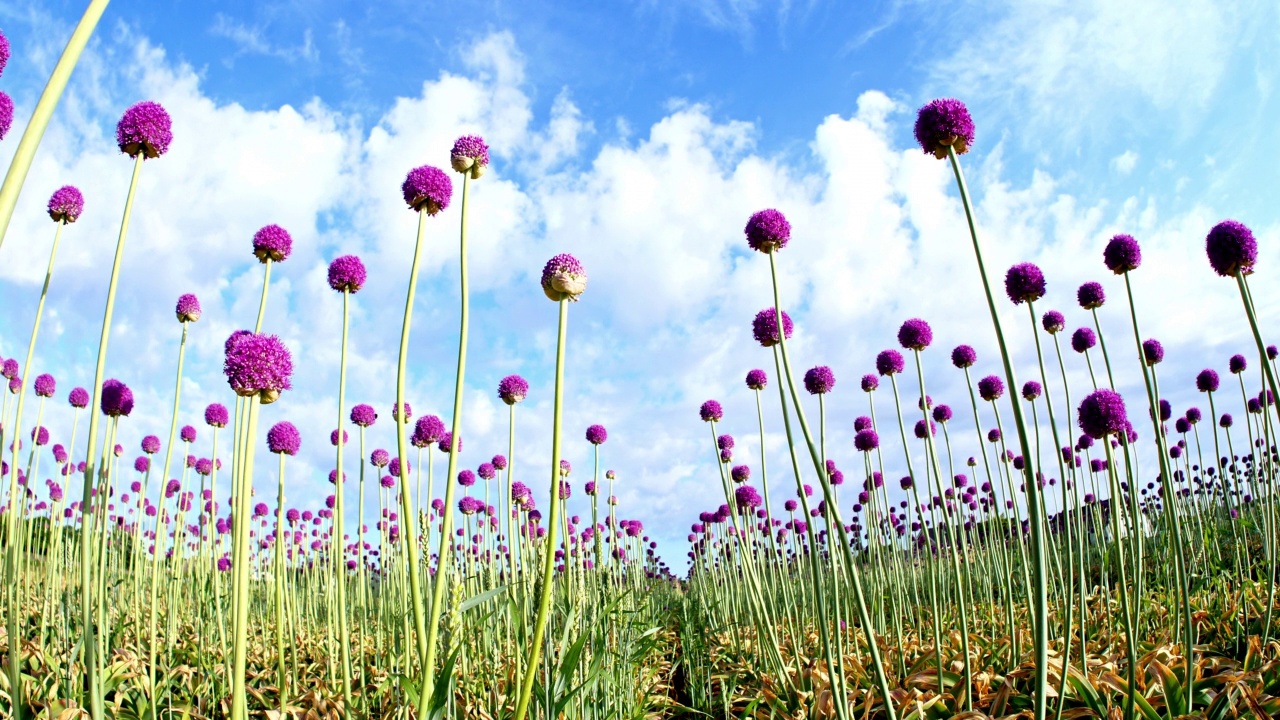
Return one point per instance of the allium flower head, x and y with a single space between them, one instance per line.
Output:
9 369
1091 295
142 464
1225 421
915 334
711 411
78 398
990 388
487 471
768 230
429 429
363 415
427 188
564 278
204 466
272 243
740 473
1083 339
964 356
216 415
944 123
284 438
942 413
447 444
380 458
347 274
1053 322
1102 413
1122 254
1024 283
45 385
66 204
333 437
890 362
117 398
512 389
866 440
1031 390
187 308
188 434
1231 248
470 505
145 129
764 328
757 379
1152 352
6 113
258 364
470 154
4 52
819 380
747 497
466 478
1193 414
870 383
499 462
1237 364
596 435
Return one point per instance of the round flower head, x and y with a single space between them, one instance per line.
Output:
1024 283
596 435
66 204
363 415
387 481
487 471
747 497
4 52
78 398
188 434
1231 248
1091 295
1083 339
427 188
513 389
757 379
563 278
1225 421
862 422
942 413
1122 254
380 458
292 515
870 383
45 385
1237 364
333 438
990 388
470 154
1053 322
740 473
151 444
1102 413
711 411
1031 390
347 274
466 478
258 364
1152 352
6 113
944 123
41 434
963 356
500 462
142 464
1193 415
9 369
920 429
915 334
272 243
446 443
117 399
144 129
866 440
216 415
284 438
204 466
819 380
768 230
188 308
429 429
764 328
15 385
890 362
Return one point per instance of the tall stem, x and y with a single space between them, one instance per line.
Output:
340 567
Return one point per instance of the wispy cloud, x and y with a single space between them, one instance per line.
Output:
251 40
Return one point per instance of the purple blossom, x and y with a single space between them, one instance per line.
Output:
487 471
1152 352
890 362
78 398
187 434
66 204
469 154
387 481
258 363
1091 295
466 478
757 379
768 230
347 274
204 466
216 415
563 278
428 430
740 473
333 438
1193 415
596 435
151 444
1231 248
45 385
1024 283
144 129
513 389
9 369
6 113
446 444
942 413
363 415
380 458
1122 254
395 412
1237 364
990 388
117 398
1053 322
187 308
944 123
870 383
963 356
819 380
1102 413
915 334
1031 390
764 328
747 497
427 188
1083 339
4 52
284 438
1225 420
711 411
470 505
272 243
866 440
500 462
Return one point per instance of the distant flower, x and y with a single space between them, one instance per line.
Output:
764 328
990 388
487 471
1024 283
6 114
78 398
740 473
1031 390
429 430
363 415
45 385
347 274
890 362
963 356
66 204
747 497
1083 339
1231 248
427 188
387 481
470 505
187 434
1091 295
915 334
564 278
145 129
768 230
757 379
4 52
1122 254
216 415
866 440
9 369
446 443
284 438
1237 364
944 123
466 478
380 458
870 383
1225 421
1152 352
942 413
272 243
1053 322
596 435
117 399
258 364
500 462
333 438
513 389
1102 413
711 411
187 308
819 380
469 154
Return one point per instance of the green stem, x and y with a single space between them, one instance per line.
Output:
340 567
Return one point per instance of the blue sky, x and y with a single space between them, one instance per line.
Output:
639 136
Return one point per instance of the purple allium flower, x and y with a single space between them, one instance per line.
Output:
596 435
1225 421
944 123
333 438
711 411
144 129
466 478
446 444
151 444
78 398
469 154
172 487
1272 352
41 434
1053 322
272 243
1122 254
724 442
747 497
1083 339
890 362
990 388
500 462
292 515
427 188
387 482
6 114
1152 352
4 52
187 434
565 490
9 369
284 438
1091 295
347 274
45 385
487 471
204 466
1231 248
1182 425
870 383
563 278
333 476
363 415
764 328
66 204
428 430
187 308
380 458
942 413
1102 413
1252 406
1031 390
512 389
920 429
819 380
768 230
216 415
470 505
1024 283
117 399
1237 364
520 493
790 505
866 440
906 483
258 363
740 473
260 510
915 334
963 356
565 468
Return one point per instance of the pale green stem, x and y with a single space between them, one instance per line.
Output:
240 564
340 567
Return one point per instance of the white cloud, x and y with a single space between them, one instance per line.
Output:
1125 162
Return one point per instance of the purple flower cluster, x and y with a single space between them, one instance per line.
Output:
1231 248
428 430
469 154
1122 254
284 438
347 274
711 411
563 278
819 380
363 415
66 204
596 435
1102 413
216 415
915 334
757 379
513 389
764 328
889 362
78 398
272 243
145 129
117 399
45 385
1090 295
964 356
257 364
1024 283
767 230
187 308
944 123
427 188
